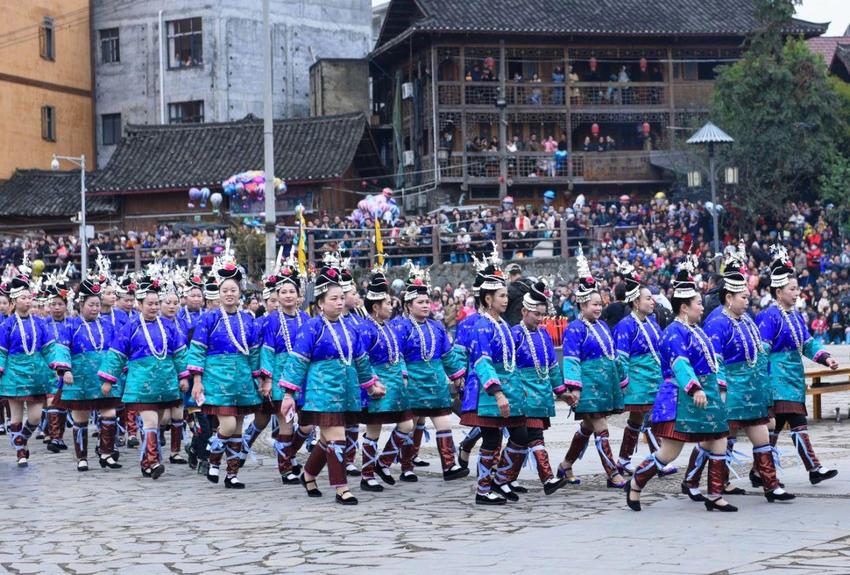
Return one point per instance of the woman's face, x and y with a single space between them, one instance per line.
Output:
150 306
109 296
287 296
272 302
23 303
645 304
229 293
420 308
333 303
693 309
788 294
592 308
90 308
383 311
170 304
498 301
738 302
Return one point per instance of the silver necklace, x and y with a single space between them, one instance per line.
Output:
427 354
284 328
243 348
607 345
642 326
700 336
542 372
160 355
390 339
344 357
96 346
751 359
508 359
27 351
798 338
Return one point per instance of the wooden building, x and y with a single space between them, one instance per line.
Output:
325 162
456 83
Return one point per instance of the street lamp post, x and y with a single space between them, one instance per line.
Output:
711 135
81 162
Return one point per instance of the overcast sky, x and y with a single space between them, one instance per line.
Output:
835 11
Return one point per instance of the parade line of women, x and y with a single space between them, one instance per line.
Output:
187 343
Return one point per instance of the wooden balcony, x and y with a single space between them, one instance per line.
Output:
693 94
536 167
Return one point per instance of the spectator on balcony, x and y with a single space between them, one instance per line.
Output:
600 145
462 244
610 144
558 93
517 77
533 144
536 98
588 145
474 75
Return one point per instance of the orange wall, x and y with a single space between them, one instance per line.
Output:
21 145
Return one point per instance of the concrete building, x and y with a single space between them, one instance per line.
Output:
210 54
45 83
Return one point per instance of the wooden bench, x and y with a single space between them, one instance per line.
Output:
818 387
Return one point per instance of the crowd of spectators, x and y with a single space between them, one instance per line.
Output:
652 235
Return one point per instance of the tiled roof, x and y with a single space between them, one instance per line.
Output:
186 155
593 17
826 46
40 193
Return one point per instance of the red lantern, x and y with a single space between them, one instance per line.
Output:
643 64
594 129
646 128
593 64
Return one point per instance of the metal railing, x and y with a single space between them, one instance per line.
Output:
531 166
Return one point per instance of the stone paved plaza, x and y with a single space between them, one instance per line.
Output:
56 520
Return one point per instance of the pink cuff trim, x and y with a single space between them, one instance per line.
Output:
106 376
820 355
458 374
691 385
492 382
194 369
2 370
560 389
721 383
265 373
256 373
573 384
57 365
183 375
288 385
624 383
369 383
404 373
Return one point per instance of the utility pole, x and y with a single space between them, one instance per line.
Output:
268 141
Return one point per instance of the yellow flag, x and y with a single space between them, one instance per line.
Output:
302 243
379 243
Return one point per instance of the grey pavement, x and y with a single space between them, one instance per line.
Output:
56 520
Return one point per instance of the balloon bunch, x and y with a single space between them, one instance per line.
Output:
377 207
249 187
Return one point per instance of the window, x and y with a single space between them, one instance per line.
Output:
46 39
185 43
110 51
48 123
110 125
186 112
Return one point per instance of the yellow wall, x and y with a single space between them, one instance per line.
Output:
21 145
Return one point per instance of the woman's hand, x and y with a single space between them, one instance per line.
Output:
105 388
287 407
198 391
266 386
184 385
700 400
378 390
573 397
504 406
68 378
832 363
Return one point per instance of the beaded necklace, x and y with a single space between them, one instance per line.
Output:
427 353
792 326
27 351
607 346
508 358
542 372
284 328
241 347
700 336
160 355
389 337
344 357
642 326
751 359
96 346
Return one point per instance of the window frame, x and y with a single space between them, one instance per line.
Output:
103 131
47 39
114 43
173 37
197 118
48 123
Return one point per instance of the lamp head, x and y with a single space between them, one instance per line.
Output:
54 164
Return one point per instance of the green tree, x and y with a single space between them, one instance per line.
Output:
834 183
781 108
